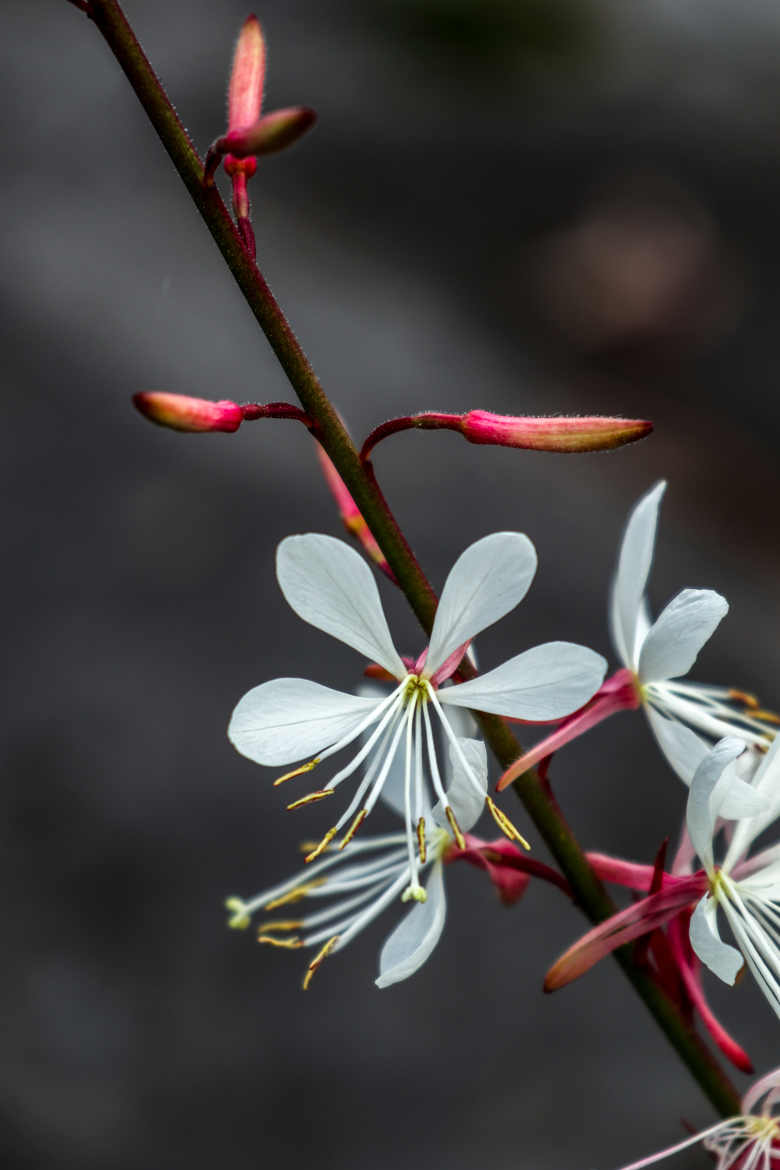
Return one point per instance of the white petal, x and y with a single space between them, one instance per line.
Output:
330 586
547 682
636 556
725 961
700 813
289 719
683 748
416 935
734 799
764 883
766 781
462 721
465 799
679 632
487 581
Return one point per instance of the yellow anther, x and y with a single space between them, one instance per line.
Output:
287 944
281 924
318 959
421 842
295 894
239 918
296 772
459 838
504 823
323 845
353 828
767 716
310 798
745 698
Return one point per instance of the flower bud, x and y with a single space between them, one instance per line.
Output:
270 133
245 93
182 413
594 433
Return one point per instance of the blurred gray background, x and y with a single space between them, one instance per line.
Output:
537 206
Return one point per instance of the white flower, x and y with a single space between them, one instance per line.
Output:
750 1141
330 586
748 891
658 653
359 882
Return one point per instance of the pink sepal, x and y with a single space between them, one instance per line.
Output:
450 665
624 873
617 693
625 926
509 868
689 969
351 515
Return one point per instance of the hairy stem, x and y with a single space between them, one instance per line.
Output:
588 890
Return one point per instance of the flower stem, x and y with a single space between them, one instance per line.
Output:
359 478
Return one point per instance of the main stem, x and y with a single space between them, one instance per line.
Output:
359 478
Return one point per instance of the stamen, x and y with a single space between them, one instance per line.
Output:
457 834
296 772
414 885
353 828
421 842
295 894
454 741
433 764
744 697
323 845
373 766
287 944
766 716
318 960
310 798
280 924
504 823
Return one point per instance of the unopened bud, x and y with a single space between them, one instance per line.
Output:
181 413
272 132
245 93
593 433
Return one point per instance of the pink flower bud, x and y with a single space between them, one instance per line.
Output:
552 434
270 133
245 93
181 413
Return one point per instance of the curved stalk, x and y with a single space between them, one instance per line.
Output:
359 478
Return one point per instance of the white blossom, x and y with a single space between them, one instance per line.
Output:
660 652
329 585
746 889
